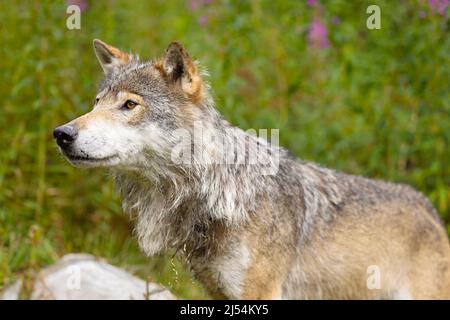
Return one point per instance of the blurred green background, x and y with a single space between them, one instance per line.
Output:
368 102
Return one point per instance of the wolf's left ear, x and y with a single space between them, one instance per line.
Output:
109 56
178 67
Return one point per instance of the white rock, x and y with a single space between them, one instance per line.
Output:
84 277
11 292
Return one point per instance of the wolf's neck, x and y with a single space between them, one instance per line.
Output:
177 204
217 185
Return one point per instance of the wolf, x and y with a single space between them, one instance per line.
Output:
300 231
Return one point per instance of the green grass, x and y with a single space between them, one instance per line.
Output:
374 103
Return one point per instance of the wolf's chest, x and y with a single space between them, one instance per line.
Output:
225 272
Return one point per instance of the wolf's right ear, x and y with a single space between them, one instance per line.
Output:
177 67
109 56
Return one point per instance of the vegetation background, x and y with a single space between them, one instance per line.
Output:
368 102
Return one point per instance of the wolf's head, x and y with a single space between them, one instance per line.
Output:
137 108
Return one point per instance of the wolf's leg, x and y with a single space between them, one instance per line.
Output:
262 291
263 281
402 294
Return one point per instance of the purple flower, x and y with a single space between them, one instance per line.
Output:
82 4
202 21
336 20
195 5
318 34
438 6
311 3
422 14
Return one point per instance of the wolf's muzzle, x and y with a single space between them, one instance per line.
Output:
65 135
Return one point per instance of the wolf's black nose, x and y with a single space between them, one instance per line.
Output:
65 135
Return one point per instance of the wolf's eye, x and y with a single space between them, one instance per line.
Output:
96 101
129 104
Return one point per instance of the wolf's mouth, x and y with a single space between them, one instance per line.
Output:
76 158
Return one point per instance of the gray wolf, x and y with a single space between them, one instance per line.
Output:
298 232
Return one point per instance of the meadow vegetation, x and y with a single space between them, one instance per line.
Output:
368 102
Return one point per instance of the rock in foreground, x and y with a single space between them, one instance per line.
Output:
84 277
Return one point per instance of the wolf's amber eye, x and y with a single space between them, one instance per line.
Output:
129 104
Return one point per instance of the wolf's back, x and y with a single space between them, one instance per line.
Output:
371 191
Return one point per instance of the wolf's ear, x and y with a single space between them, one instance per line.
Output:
178 67
109 56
